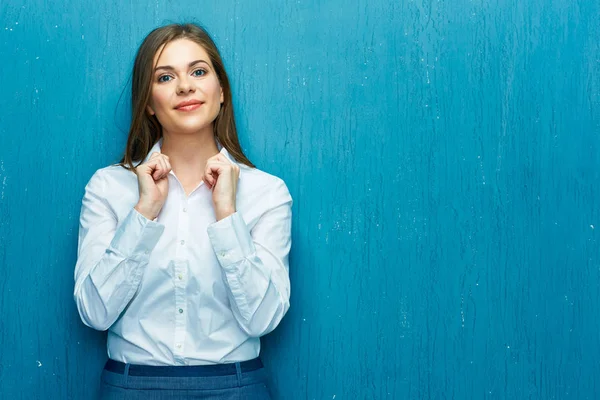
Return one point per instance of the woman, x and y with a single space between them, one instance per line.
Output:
183 246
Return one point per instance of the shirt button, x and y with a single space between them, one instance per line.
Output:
179 277
182 242
178 345
185 210
181 311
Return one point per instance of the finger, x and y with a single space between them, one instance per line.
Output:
218 168
169 168
158 169
157 155
164 163
163 168
149 166
208 178
220 157
218 164
212 171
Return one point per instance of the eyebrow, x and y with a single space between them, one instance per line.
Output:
170 68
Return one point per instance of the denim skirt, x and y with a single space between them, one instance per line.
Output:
242 380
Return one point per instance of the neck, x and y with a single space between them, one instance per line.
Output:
188 153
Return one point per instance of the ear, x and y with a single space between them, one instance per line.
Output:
222 97
150 110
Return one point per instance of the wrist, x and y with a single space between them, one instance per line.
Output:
224 212
148 212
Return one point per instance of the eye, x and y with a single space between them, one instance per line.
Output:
164 78
199 72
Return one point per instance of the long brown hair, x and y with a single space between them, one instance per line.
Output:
145 130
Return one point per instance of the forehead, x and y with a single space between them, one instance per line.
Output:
180 52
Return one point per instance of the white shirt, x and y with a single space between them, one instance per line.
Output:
183 289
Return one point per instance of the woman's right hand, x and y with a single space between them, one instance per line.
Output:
153 184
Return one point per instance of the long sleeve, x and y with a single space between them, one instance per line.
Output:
111 256
255 263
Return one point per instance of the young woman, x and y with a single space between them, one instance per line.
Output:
183 246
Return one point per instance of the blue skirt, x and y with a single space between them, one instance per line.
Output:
245 380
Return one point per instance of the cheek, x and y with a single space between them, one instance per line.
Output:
214 89
159 99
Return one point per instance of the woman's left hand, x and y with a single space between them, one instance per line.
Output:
221 176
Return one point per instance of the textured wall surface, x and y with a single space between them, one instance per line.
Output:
443 157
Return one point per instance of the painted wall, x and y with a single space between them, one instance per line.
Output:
443 157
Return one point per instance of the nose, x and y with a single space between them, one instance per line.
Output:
185 86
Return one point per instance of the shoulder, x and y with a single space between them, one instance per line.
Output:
263 184
112 179
113 186
111 173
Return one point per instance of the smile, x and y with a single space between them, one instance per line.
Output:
190 105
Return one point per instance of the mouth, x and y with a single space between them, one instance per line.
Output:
189 105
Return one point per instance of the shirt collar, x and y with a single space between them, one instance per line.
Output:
157 146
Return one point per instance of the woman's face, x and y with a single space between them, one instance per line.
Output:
186 93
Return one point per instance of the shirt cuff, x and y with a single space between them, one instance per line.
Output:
231 239
137 236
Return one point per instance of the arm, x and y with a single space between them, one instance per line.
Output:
255 263
111 258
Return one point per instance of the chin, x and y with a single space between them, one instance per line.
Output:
189 128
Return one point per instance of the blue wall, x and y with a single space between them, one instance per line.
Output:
444 161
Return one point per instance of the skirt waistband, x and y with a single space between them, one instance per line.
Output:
184 370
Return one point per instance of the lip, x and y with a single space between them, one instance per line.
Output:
188 105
